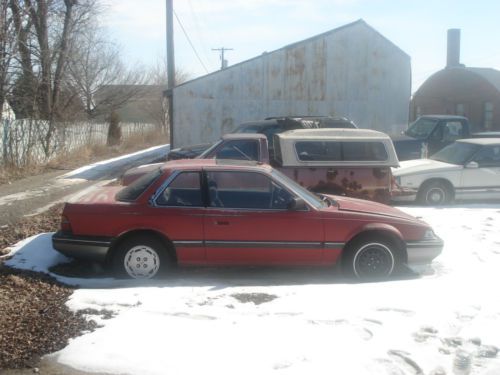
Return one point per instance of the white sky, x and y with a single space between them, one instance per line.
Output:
254 26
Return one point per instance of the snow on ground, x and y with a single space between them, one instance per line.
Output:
304 321
90 172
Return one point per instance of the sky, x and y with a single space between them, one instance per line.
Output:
252 27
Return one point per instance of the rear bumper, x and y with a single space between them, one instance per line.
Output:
400 194
82 247
423 252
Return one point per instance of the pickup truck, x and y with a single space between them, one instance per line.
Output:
352 162
430 133
269 127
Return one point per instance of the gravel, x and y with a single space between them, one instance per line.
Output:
34 319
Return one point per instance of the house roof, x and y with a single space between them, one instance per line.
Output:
489 74
318 36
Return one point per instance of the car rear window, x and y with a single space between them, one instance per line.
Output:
136 188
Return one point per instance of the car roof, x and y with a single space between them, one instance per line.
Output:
442 117
243 136
481 141
337 133
184 164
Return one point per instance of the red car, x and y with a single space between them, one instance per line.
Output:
209 212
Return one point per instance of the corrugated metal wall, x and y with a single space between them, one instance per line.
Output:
352 71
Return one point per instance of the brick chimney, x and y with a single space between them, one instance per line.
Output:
453 56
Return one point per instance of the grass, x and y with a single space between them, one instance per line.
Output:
83 155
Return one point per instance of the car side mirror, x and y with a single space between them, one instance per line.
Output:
472 165
296 204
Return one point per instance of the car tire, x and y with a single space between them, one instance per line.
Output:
371 258
141 257
434 193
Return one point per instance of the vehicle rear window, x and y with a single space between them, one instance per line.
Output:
136 188
318 151
363 151
243 149
340 151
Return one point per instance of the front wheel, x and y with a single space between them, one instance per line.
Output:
434 194
371 258
140 257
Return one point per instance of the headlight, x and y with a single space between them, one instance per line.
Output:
429 235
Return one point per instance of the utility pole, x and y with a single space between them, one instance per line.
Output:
223 63
170 69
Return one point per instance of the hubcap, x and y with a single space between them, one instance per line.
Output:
141 262
373 260
436 196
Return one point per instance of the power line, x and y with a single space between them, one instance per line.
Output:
189 40
223 62
200 35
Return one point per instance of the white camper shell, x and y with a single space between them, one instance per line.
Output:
339 147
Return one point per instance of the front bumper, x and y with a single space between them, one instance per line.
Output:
81 247
423 252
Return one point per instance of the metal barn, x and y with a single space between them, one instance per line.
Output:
351 71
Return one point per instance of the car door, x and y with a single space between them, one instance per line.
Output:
247 222
445 133
481 175
177 211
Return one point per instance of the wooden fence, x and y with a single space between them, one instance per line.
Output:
24 141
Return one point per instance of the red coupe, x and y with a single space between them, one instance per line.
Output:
208 212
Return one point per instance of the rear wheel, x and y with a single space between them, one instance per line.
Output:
434 193
141 257
371 258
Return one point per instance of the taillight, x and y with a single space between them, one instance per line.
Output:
65 224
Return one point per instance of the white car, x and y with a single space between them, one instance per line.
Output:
466 169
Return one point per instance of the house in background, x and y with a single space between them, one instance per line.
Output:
460 90
133 103
352 71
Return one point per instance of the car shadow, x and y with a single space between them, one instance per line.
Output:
36 254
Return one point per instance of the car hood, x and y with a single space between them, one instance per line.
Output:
369 207
411 167
407 147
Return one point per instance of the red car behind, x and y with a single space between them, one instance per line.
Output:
208 212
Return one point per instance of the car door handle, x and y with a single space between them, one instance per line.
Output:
221 222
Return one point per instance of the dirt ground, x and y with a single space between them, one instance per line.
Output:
34 319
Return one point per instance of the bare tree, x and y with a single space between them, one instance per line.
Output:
45 31
7 44
98 75
157 107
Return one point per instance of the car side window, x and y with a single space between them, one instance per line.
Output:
488 156
452 131
183 191
245 190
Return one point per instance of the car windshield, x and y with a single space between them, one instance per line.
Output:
204 154
303 193
456 153
136 188
422 128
